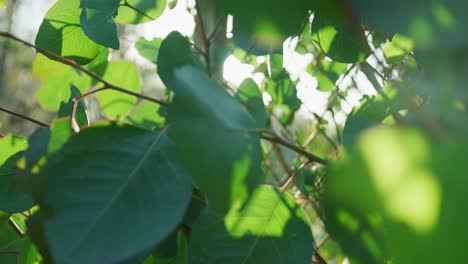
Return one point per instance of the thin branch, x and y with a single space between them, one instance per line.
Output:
203 37
217 27
137 10
282 161
82 69
293 177
13 113
297 149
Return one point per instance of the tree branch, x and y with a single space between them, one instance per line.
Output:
82 69
42 124
295 148
203 38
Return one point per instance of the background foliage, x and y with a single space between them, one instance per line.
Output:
358 156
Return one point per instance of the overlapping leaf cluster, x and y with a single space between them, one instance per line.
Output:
195 179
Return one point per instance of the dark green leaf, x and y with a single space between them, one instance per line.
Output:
97 21
251 97
11 200
434 22
264 22
140 11
338 40
118 210
204 111
43 142
270 229
65 109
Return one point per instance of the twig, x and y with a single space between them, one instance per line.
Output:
293 177
137 10
82 69
297 149
203 38
42 124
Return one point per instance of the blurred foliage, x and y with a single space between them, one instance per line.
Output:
346 142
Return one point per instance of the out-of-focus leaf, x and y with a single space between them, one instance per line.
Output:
284 96
149 48
397 49
140 11
327 73
11 199
259 233
430 23
338 40
146 115
263 25
251 97
116 104
275 67
371 112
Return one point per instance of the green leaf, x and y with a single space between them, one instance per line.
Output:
397 49
216 120
370 112
57 82
115 104
408 188
61 33
140 11
438 23
65 109
149 48
146 115
205 111
275 67
264 22
97 21
144 194
8 239
174 52
327 74
13 247
11 200
11 145
284 96
251 97
270 229
43 142
2 4
336 39
171 251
